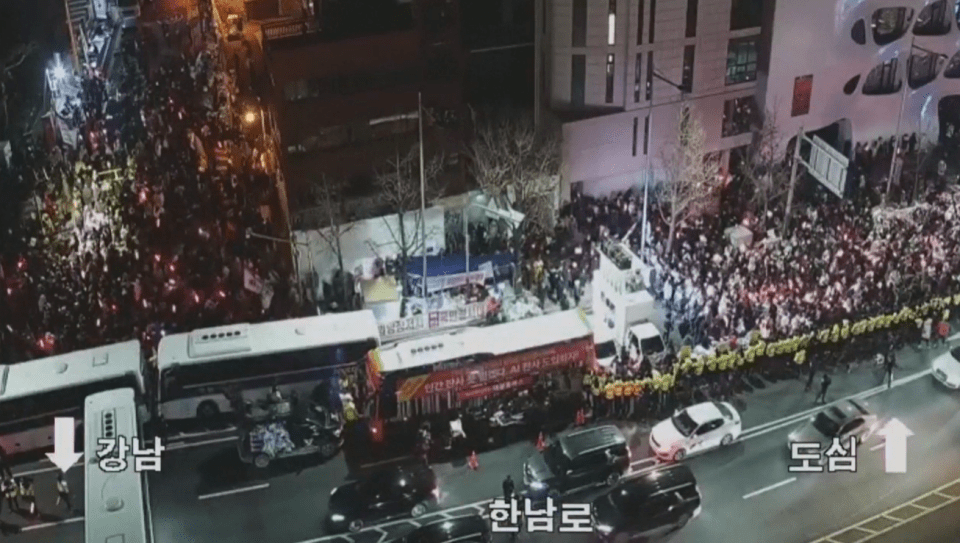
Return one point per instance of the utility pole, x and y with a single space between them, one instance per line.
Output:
793 182
423 198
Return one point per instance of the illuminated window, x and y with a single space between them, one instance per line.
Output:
738 116
612 23
742 60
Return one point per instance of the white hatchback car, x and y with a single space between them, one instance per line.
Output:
696 429
946 368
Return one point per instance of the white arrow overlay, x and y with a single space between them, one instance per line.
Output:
895 447
63 455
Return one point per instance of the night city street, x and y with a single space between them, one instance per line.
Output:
431 271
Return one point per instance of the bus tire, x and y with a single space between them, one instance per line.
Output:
261 461
207 411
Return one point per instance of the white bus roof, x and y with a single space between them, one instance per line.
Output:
497 340
71 369
210 344
114 502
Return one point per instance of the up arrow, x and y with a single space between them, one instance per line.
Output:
895 448
63 455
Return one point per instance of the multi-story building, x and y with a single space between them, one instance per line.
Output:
866 69
617 73
345 86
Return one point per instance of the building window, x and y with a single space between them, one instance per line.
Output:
802 90
579 37
636 79
851 85
859 32
646 134
742 60
738 116
653 20
883 79
648 93
640 23
746 14
636 122
609 94
933 20
890 24
686 78
922 69
693 7
952 71
612 23
578 74
295 90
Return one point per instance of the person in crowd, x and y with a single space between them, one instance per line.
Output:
824 385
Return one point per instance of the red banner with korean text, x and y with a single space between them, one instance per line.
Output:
496 388
501 369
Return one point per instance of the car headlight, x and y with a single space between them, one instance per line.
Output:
604 529
537 485
337 518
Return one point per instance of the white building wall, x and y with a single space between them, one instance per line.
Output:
813 37
599 150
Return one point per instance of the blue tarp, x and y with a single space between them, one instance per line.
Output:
454 264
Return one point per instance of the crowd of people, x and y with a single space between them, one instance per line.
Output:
144 227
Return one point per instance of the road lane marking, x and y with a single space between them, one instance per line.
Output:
50 524
232 491
866 533
769 488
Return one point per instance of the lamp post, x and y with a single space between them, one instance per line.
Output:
903 101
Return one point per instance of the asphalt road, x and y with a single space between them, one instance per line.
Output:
940 526
206 494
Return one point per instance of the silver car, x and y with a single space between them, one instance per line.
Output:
840 420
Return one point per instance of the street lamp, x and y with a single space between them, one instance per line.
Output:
251 116
903 99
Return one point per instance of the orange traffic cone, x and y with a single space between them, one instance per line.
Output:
541 444
472 462
581 418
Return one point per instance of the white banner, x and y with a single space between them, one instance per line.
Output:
443 282
442 319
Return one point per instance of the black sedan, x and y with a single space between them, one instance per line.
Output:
381 495
466 529
650 505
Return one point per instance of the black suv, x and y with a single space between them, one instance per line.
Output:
467 529
383 494
576 461
650 505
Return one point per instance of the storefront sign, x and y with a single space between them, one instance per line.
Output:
434 320
503 369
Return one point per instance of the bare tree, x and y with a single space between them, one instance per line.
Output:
399 185
14 59
691 174
764 166
328 196
516 165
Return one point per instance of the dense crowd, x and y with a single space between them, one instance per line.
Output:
144 227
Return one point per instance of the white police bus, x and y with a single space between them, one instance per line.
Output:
116 506
33 393
205 372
